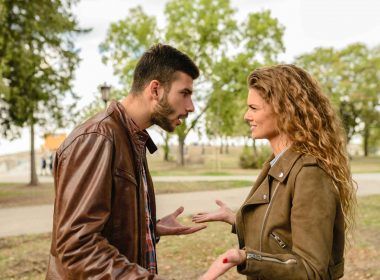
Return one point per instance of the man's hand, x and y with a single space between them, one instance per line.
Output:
169 225
223 263
224 214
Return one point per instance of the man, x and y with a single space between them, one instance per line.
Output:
104 213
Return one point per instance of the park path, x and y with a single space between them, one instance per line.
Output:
38 219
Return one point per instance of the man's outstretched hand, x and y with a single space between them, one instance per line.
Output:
169 225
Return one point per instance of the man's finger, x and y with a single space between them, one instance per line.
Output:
179 230
177 212
174 230
193 229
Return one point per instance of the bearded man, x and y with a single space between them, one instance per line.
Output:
104 212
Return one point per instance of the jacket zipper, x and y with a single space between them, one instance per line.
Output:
266 215
257 257
279 241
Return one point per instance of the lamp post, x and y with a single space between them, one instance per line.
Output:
105 91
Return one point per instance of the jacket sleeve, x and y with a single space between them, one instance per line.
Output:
83 204
312 222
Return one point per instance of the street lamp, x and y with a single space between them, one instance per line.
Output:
105 91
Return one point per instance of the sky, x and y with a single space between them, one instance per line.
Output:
308 24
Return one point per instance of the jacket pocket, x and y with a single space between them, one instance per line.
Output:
258 257
274 236
125 175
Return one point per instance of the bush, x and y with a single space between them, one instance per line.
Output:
250 160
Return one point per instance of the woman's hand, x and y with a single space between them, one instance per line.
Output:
223 263
223 214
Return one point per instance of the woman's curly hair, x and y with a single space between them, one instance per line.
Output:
309 121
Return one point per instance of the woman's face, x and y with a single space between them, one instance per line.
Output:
260 117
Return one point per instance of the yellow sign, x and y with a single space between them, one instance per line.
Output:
53 141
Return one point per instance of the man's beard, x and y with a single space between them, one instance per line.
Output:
161 113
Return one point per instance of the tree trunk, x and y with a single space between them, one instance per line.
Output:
226 150
254 147
181 151
33 172
221 146
166 147
366 140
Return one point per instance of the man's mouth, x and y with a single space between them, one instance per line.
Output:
181 118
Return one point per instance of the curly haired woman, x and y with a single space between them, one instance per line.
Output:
294 222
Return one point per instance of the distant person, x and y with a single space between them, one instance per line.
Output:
43 166
293 223
105 223
51 164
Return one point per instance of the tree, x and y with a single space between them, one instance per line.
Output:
204 29
363 66
38 59
205 34
325 65
126 41
258 41
350 77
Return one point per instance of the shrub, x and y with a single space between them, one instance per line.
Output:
249 159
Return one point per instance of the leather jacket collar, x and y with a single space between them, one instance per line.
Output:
139 137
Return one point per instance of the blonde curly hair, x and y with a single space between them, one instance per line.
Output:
308 119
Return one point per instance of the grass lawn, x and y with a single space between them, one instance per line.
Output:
187 257
12 195
365 165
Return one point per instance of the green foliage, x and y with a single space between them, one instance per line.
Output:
224 49
38 59
254 158
97 106
350 78
259 41
201 28
126 41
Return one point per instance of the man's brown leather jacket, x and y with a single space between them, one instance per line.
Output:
99 211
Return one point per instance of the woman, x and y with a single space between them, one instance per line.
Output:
294 221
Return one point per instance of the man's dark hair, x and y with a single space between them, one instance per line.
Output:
160 63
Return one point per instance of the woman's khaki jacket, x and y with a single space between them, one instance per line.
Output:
291 224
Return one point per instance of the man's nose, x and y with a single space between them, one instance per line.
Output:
190 106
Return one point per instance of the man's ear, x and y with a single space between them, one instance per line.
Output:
155 89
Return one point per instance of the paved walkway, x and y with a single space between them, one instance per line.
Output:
24 178
38 219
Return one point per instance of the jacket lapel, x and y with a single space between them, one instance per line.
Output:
260 188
